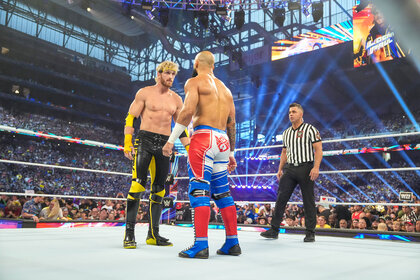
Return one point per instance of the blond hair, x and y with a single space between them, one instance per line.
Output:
166 66
382 227
54 211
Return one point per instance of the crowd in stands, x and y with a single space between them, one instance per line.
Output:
92 131
350 187
49 124
357 126
381 218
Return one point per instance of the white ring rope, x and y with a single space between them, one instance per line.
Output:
63 167
340 140
118 147
232 176
238 202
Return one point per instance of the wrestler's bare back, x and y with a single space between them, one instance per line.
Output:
214 103
156 109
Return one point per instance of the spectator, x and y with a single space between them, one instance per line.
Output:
262 220
13 209
66 214
409 227
343 224
354 224
94 214
382 227
265 211
323 211
358 213
362 224
332 220
103 215
108 205
290 221
396 226
322 222
111 215
404 213
52 212
32 208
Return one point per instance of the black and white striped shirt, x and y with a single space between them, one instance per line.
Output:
298 143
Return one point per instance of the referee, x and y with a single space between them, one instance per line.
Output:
299 164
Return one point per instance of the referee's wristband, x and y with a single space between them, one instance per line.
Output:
176 132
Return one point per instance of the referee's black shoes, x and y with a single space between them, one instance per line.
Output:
272 233
310 237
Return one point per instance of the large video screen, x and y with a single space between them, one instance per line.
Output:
321 38
374 41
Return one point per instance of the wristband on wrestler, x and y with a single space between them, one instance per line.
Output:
128 142
176 132
129 120
232 154
187 147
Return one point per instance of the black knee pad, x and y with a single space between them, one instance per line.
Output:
220 195
157 193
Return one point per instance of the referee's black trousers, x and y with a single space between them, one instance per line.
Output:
292 176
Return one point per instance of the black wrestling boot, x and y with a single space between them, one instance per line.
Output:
310 237
272 233
153 237
235 250
129 240
132 208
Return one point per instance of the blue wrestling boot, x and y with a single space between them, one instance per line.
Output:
231 247
200 250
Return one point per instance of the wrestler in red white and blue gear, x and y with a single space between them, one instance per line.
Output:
209 103
208 158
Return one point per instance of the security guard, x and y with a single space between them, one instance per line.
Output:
299 164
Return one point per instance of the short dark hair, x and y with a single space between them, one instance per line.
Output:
294 104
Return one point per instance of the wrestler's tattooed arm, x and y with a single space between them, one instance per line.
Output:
231 132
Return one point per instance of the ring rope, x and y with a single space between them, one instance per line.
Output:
119 147
187 201
232 176
340 140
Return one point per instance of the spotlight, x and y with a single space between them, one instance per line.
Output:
132 17
164 16
317 11
85 5
292 6
145 5
221 11
279 15
239 18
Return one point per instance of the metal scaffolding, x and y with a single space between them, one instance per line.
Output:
192 26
